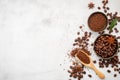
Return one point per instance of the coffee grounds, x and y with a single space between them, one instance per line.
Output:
83 57
73 52
97 21
86 51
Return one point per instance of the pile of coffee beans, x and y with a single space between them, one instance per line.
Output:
106 46
76 71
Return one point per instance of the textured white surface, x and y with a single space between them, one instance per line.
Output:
35 36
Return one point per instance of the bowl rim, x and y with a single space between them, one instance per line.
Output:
97 13
113 54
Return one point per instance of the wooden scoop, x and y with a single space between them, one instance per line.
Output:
89 63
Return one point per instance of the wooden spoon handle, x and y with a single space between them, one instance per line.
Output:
99 73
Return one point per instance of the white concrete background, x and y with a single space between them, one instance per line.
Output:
35 36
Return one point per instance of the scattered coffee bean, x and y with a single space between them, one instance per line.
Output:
101 32
100 59
105 11
103 1
108 71
89 75
103 7
99 8
92 44
115 69
118 37
108 8
78 33
80 27
94 61
116 30
115 75
84 72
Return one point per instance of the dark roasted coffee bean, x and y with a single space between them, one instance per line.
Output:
108 8
94 61
115 75
99 8
89 75
108 71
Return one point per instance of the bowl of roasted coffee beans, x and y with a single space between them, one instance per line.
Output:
106 46
97 21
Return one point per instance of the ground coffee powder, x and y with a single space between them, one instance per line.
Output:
83 57
97 21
